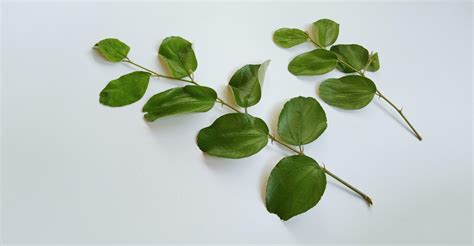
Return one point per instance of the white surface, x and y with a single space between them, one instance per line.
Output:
74 171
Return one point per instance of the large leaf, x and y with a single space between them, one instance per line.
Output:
187 99
374 64
325 32
246 84
125 90
302 120
295 185
349 92
353 57
315 62
235 135
179 56
289 37
112 49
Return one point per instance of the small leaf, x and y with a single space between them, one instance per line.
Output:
374 64
235 135
289 37
179 56
353 54
302 120
315 62
325 32
112 49
187 99
125 90
296 184
246 84
349 92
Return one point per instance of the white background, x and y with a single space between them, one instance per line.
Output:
74 171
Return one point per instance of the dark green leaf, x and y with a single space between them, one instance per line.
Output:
112 49
187 99
301 121
125 90
235 135
353 56
349 92
179 56
289 37
374 64
295 185
325 32
246 84
315 62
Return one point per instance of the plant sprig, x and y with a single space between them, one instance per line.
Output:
350 92
296 183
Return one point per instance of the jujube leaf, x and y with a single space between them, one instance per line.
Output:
325 32
178 54
246 84
289 37
348 92
353 56
125 90
112 49
315 62
374 64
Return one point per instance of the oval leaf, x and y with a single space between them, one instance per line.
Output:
235 135
187 99
289 37
125 90
349 92
178 54
295 185
353 54
325 32
374 64
112 49
302 120
246 84
315 62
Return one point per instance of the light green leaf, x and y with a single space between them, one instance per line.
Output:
301 121
353 56
235 135
179 56
349 92
125 90
315 62
295 185
289 37
112 49
374 64
187 99
246 84
325 32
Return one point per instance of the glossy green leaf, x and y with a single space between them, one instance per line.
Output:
289 37
374 64
125 90
353 56
246 84
112 49
315 62
325 32
348 92
178 54
235 135
302 120
187 99
296 184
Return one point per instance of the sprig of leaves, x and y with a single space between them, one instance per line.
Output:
350 92
296 183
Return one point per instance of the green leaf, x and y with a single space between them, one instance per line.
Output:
353 54
187 99
246 84
125 90
315 62
374 64
235 135
301 121
325 32
295 185
179 56
349 92
112 49
289 37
